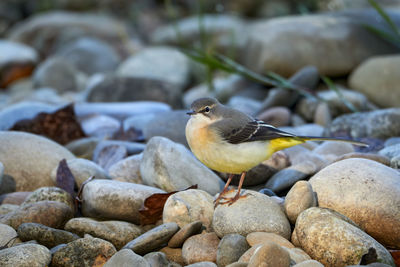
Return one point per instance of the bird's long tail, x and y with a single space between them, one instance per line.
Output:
317 138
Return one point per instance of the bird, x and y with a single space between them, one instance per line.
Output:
229 141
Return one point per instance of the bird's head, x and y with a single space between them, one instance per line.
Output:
207 107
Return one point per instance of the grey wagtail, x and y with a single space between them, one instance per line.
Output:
229 141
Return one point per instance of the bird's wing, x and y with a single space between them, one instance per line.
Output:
253 130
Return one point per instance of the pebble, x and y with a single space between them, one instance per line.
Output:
50 213
254 213
184 233
380 124
170 124
173 254
244 104
328 238
30 170
83 169
114 200
297 255
117 232
270 255
126 258
101 126
6 208
189 206
392 141
127 170
51 194
255 176
299 198
309 263
375 157
390 151
230 248
162 63
7 233
44 235
202 247
84 252
256 238
83 147
333 148
153 239
171 167
286 178
15 198
363 190
202 264
25 255
322 115
158 259
276 116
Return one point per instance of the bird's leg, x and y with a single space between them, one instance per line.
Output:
223 190
237 196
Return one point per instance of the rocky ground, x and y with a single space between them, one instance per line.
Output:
108 180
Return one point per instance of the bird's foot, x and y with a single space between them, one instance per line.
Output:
232 200
220 196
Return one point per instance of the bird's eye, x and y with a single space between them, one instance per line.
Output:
207 109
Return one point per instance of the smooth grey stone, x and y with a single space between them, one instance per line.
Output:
334 240
230 248
25 255
16 53
114 200
120 110
153 239
127 170
7 234
171 167
345 186
202 264
32 159
131 147
22 111
139 122
83 147
184 233
126 258
157 259
90 55
390 151
1 173
245 104
101 126
45 235
299 198
392 141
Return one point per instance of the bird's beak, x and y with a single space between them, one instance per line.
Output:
191 112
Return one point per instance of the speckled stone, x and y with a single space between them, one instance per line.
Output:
6 208
84 252
7 233
51 194
25 255
44 235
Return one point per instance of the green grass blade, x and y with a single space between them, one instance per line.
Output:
385 16
333 87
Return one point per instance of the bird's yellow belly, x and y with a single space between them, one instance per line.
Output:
223 156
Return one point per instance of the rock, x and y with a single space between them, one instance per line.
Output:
101 126
84 252
202 264
25 255
189 206
328 238
44 235
297 255
223 32
299 198
333 148
59 74
107 155
127 170
202 247
126 258
113 88
43 31
173 254
30 170
50 213
381 124
137 123
244 104
378 158
156 168
184 233
117 232
83 169
15 198
256 238
276 116
170 124
309 263
385 70
6 208
120 110
230 248
105 199
306 77
83 147
15 57
289 176
153 239
270 254
390 151
7 235
345 186
157 259
330 53
90 55
392 141
166 64
254 213
130 148
322 115
51 194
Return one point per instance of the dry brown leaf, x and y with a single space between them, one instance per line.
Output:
153 206
396 256
60 126
64 178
